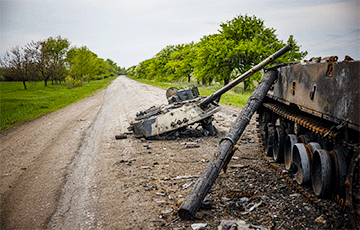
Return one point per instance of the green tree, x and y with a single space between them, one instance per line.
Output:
241 43
112 67
158 67
51 56
82 63
19 64
56 49
131 71
181 61
102 67
143 69
293 55
121 70
51 59
212 59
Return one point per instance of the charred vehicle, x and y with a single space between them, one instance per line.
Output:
186 107
167 120
309 120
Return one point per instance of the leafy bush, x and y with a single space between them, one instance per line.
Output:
71 82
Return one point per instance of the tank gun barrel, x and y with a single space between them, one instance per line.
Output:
245 75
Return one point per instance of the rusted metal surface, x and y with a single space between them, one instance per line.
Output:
330 68
306 122
330 159
279 142
290 141
309 197
353 190
302 162
321 176
332 94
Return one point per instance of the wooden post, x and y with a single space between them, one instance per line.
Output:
207 178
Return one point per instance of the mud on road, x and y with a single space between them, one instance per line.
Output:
67 171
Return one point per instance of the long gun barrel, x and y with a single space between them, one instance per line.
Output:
245 75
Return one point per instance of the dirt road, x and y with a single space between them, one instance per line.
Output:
56 160
67 171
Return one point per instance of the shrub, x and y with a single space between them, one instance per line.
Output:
71 82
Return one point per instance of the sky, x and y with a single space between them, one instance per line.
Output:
131 31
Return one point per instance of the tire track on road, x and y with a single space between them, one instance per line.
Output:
80 206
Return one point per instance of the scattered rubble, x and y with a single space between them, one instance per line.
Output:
190 144
233 225
122 136
250 195
321 219
198 226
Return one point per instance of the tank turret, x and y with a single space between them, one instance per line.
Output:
187 107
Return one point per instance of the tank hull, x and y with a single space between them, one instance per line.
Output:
310 121
334 98
173 117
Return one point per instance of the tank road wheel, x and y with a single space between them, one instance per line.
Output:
314 146
339 171
321 173
264 119
290 141
353 191
301 159
279 141
270 139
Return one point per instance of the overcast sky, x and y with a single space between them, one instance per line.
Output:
130 31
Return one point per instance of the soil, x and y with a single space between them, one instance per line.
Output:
67 170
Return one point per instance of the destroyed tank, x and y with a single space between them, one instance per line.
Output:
183 110
186 107
309 121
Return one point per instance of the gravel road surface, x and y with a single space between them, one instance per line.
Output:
66 170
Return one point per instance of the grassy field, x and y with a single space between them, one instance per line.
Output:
235 96
19 105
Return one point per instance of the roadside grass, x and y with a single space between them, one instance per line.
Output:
236 96
18 105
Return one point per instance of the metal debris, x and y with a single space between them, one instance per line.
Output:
252 208
198 226
122 136
233 225
190 144
239 166
184 177
321 219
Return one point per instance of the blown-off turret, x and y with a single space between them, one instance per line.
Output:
186 107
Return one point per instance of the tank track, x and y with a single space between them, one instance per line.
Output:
350 202
315 126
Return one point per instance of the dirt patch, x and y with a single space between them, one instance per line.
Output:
68 171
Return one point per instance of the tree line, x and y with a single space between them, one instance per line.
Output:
53 59
239 44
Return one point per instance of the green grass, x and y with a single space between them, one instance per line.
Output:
235 96
19 105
